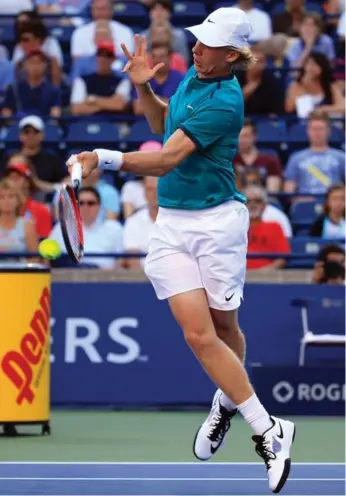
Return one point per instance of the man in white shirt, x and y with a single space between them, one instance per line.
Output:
260 21
99 236
138 226
83 41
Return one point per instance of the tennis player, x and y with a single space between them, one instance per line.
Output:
197 253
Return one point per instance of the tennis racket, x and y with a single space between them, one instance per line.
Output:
69 215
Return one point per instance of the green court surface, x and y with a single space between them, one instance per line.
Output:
159 437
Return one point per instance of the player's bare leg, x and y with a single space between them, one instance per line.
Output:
273 437
212 433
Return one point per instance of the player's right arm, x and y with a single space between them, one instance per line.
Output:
154 109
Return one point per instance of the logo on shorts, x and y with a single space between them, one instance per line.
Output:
230 297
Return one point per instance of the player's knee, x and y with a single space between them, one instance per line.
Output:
199 338
226 331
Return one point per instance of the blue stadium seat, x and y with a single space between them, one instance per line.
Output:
307 246
188 13
7 34
272 134
87 134
279 8
305 211
62 33
131 13
52 135
140 132
298 137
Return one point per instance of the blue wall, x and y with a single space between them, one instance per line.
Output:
115 343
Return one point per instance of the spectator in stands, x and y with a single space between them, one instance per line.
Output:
17 234
20 174
13 7
290 20
165 81
264 237
249 156
330 266
100 236
103 92
32 34
275 51
84 40
331 224
161 32
133 192
311 40
7 77
315 169
263 93
161 10
138 227
272 211
34 94
48 166
110 198
315 88
260 21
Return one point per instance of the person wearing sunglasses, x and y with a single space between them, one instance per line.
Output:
100 236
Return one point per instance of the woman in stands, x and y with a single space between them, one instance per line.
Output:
315 88
331 224
17 234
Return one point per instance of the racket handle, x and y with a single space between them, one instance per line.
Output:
76 175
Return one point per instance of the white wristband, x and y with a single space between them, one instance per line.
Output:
108 159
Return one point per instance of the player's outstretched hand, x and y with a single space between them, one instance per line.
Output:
88 161
137 66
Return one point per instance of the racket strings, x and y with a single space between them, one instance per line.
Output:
71 222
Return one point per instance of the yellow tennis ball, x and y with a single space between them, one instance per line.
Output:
49 249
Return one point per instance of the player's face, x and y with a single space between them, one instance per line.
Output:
318 132
212 62
256 206
8 202
89 207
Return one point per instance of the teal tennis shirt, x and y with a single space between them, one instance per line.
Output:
211 113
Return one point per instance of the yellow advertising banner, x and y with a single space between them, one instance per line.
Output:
24 346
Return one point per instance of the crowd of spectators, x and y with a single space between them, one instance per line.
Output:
46 79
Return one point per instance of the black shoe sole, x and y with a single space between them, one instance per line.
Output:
286 471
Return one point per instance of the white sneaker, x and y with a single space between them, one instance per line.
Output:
212 433
274 447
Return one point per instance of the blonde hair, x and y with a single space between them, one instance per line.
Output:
8 185
246 58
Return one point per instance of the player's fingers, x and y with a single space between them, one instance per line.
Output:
72 160
126 51
127 67
157 68
143 46
137 45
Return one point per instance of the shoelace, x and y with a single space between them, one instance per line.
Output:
220 424
263 450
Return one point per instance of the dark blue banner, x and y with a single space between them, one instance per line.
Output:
301 390
116 344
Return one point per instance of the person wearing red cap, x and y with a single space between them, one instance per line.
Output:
20 174
103 91
33 94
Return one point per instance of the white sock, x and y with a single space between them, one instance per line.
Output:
255 415
226 402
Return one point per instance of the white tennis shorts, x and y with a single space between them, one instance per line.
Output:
200 249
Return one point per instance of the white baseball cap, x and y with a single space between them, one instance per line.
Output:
225 27
32 120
